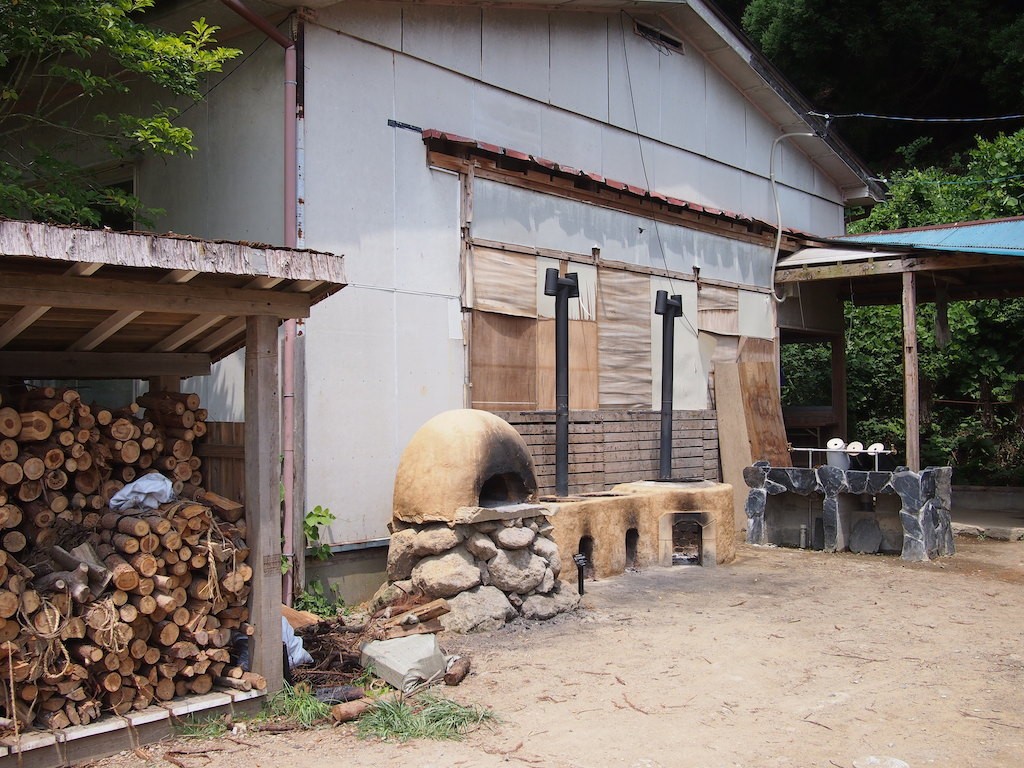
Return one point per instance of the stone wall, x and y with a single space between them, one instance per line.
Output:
492 565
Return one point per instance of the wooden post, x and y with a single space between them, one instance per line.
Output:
911 395
299 506
839 404
263 495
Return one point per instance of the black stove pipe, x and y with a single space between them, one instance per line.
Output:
563 289
669 308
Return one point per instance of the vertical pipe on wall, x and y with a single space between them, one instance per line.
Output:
562 288
669 309
290 241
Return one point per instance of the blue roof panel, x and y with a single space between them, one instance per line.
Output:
1001 237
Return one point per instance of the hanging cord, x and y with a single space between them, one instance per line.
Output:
778 208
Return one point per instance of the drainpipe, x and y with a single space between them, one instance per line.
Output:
290 241
669 309
562 288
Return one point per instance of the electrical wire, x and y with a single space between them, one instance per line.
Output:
778 207
902 119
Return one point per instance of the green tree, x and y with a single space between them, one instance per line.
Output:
899 57
983 363
59 60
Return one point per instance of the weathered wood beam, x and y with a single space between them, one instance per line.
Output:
262 495
103 365
120 319
221 336
891 266
911 388
27 316
201 323
98 293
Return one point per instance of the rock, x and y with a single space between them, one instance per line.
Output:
446 575
389 592
532 525
547 549
434 540
774 489
516 601
543 607
401 557
754 476
515 538
481 546
517 570
545 528
547 583
480 609
485 573
404 662
832 480
866 537
879 762
798 479
487 526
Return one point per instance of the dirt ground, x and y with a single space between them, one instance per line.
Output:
783 658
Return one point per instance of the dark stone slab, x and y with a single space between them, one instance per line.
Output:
857 481
878 482
866 537
754 476
756 502
913 538
830 523
908 486
832 480
797 479
773 488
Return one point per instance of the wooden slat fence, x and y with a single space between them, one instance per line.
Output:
222 450
611 447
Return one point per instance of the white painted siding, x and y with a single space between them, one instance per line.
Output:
385 354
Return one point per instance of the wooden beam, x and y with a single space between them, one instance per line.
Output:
26 316
197 326
892 266
262 495
221 336
911 388
99 293
120 319
103 365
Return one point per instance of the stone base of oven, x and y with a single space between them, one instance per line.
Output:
494 564
630 526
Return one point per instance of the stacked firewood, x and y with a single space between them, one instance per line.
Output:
111 611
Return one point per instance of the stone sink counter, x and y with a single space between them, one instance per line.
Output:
923 507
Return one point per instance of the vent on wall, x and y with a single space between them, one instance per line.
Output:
659 39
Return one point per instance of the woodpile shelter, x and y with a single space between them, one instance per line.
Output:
78 304
942 263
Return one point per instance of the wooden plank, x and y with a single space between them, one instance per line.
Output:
26 316
762 405
911 385
733 441
103 365
262 492
101 293
503 361
583 364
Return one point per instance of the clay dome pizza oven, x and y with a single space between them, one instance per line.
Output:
462 460
466 525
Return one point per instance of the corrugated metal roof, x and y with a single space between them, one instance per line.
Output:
999 237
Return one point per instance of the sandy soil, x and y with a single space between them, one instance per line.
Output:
783 658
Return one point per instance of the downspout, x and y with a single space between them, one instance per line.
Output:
290 241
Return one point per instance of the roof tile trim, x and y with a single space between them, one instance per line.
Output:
435 135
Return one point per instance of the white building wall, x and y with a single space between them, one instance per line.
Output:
386 353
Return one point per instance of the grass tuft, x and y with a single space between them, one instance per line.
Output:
428 717
193 727
297 704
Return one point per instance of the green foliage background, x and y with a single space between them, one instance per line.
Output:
58 58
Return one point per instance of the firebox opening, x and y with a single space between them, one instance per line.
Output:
586 549
632 539
686 541
499 490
